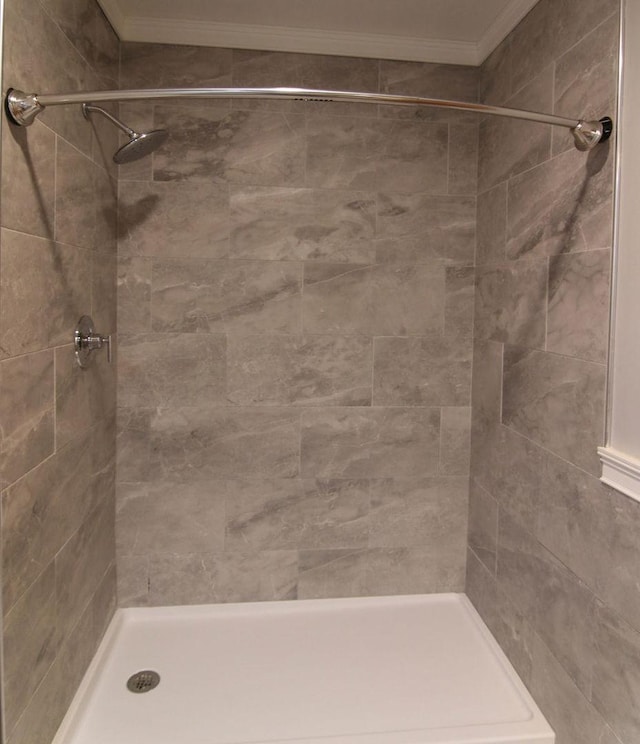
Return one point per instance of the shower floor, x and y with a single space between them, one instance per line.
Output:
390 670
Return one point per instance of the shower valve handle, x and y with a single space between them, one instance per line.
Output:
86 340
97 342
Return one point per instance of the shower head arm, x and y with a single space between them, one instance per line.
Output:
88 108
23 108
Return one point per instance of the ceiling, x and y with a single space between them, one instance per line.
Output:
451 31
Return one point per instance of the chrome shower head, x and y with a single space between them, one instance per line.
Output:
139 145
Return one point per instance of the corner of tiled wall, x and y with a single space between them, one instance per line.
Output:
58 262
554 555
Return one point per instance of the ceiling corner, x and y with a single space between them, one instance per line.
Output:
115 15
504 24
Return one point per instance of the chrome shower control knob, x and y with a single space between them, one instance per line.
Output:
86 340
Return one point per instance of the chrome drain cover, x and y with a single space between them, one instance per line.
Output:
143 681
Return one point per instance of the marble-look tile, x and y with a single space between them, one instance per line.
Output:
104 309
253 68
510 628
483 525
594 531
103 455
585 79
511 303
57 66
76 198
222 577
28 179
549 30
459 300
238 147
513 475
133 444
563 205
495 75
571 716
370 443
74 18
180 218
182 517
332 573
560 607
26 413
424 569
245 297
41 511
377 572
145 65
453 82
578 313
83 561
414 156
420 227
105 51
45 288
103 604
463 159
343 153
508 147
533 40
44 712
133 580
422 372
106 202
201 443
86 27
557 402
134 294
455 440
153 368
409 512
492 226
486 393
299 370
83 396
616 678
302 224
297 514
381 300
31 633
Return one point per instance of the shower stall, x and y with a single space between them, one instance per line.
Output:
359 352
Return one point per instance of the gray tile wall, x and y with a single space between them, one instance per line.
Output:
295 315
57 440
554 556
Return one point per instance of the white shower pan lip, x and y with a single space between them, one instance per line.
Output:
418 669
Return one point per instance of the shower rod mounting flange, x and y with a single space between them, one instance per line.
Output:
23 108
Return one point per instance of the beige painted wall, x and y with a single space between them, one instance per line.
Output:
57 440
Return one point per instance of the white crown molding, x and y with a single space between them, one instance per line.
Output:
620 472
285 39
314 41
504 24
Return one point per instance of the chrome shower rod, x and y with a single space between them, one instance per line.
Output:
23 108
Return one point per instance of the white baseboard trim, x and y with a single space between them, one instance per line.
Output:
620 472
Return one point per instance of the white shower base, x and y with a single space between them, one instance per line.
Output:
390 670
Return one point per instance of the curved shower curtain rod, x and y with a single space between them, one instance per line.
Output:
22 108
